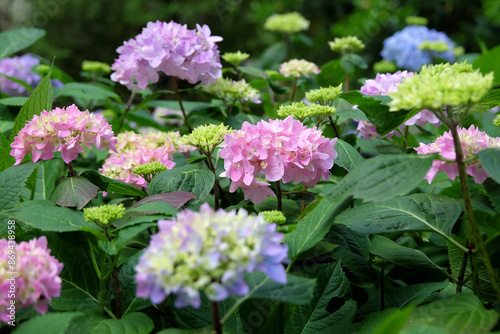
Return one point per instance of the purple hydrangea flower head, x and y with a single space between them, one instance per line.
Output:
37 276
209 251
20 68
403 47
170 48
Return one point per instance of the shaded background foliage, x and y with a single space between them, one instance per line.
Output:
80 30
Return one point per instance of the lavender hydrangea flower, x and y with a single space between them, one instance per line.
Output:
20 68
210 251
402 47
170 48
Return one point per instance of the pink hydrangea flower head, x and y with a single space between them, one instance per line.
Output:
134 150
64 130
170 48
473 141
37 278
297 68
279 150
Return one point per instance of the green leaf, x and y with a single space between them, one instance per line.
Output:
332 74
85 91
175 199
418 212
313 227
386 322
314 317
12 181
349 158
383 177
377 111
6 160
115 186
297 290
16 101
43 215
253 71
462 313
74 191
405 257
53 323
351 61
130 301
132 323
188 178
488 62
125 234
15 40
493 190
290 208
48 173
490 160
40 99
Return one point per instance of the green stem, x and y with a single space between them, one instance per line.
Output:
288 46
125 113
461 274
346 82
278 195
71 170
33 189
216 319
294 88
176 89
334 126
216 184
382 288
405 141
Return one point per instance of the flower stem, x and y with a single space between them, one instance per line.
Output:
176 89
461 275
216 184
334 126
127 109
476 242
216 319
304 204
71 170
346 82
294 88
405 138
278 195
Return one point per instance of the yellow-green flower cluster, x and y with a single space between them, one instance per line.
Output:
301 111
207 137
95 66
149 170
441 85
287 23
496 121
229 90
324 95
235 58
274 216
416 21
437 46
385 66
349 44
104 214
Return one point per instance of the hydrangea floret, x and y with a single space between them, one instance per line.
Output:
170 48
288 23
402 47
134 150
296 68
104 214
64 130
301 111
273 216
441 85
230 90
235 58
20 68
496 121
283 150
208 251
473 141
37 278
149 170
344 45
206 138
324 95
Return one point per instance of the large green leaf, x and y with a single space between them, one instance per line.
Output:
124 236
314 317
6 160
17 101
383 177
132 323
462 313
418 212
12 181
53 323
74 191
85 91
488 62
126 273
349 158
490 160
18 39
115 186
313 227
386 322
188 178
48 173
40 99
332 74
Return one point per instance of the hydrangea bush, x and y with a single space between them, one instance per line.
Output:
280 195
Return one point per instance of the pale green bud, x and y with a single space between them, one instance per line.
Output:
496 121
43 69
416 21
437 46
324 95
95 66
287 23
206 137
274 216
104 214
349 44
385 66
149 170
300 111
235 58
227 89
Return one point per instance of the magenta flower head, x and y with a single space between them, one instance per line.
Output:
170 48
473 141
62 130
35 279
283 150
209 251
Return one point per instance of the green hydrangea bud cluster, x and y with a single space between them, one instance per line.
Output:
441 85
43 69
349 44
437 46
274 216
301 111
230 90
104 214
95 66
207 137
496 121
380 260
149 170
235 58
324 96
287 23
416 21
385 66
